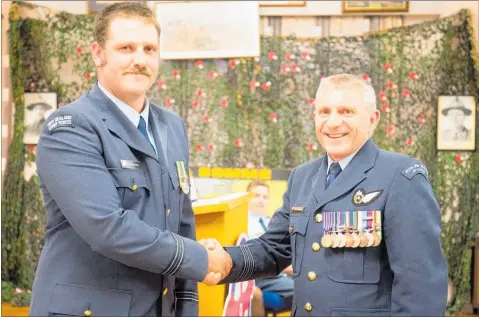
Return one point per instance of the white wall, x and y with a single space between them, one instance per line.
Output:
335 8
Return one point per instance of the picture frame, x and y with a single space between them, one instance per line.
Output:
96 6
208 29
375 6
282 3
37 106
456 123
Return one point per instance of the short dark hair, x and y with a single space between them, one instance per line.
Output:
121 9
256 182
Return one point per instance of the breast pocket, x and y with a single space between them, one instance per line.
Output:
298 226
132 186
354 265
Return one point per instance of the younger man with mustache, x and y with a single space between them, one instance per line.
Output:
120 232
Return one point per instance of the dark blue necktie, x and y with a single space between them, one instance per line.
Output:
334 171
142 128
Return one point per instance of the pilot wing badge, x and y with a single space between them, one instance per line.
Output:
362 198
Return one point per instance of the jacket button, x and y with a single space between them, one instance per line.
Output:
168 212
316 247
308 307
134 187
319 217
311 276
290 229
87 313
165 291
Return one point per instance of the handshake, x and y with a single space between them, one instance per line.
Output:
219 262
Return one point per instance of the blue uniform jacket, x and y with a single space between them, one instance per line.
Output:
119 237
404 275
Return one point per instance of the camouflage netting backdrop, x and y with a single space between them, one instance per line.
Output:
260 111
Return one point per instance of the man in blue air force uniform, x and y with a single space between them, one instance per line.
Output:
119 238
360 225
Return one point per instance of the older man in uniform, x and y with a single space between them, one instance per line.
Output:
120 232
360 225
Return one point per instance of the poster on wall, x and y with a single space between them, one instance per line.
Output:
208 29
38 106
456 117
375 6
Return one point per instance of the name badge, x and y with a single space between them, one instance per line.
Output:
129 164
297 210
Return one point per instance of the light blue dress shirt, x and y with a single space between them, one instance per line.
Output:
131 113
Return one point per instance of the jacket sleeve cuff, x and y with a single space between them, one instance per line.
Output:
190 261
243 264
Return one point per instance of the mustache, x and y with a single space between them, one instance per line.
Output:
139 70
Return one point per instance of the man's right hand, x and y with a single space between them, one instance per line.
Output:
219 262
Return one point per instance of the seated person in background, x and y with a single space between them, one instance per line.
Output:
257 224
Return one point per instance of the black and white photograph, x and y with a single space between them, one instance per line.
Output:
456 123
38 106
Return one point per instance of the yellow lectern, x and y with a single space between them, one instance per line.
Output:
223 218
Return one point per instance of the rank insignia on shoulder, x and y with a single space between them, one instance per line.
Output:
297 210
61 121
361 198
413 169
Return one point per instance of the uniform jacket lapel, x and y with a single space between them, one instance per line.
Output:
119 124
165 139
353 174
160 133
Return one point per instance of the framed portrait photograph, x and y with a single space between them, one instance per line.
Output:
375 6
208 29
96 6
456 126
38 106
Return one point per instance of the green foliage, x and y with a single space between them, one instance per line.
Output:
9 295
232 121
7 291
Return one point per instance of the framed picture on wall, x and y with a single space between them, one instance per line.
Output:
38 106
375 6
456 117
208 29
96 6
282 3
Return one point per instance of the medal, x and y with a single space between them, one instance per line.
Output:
354 235
335 241
336 238
182 177
347 235
362 236
370 238
377 228
370 228
327 239
342 240
341 237
363 240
